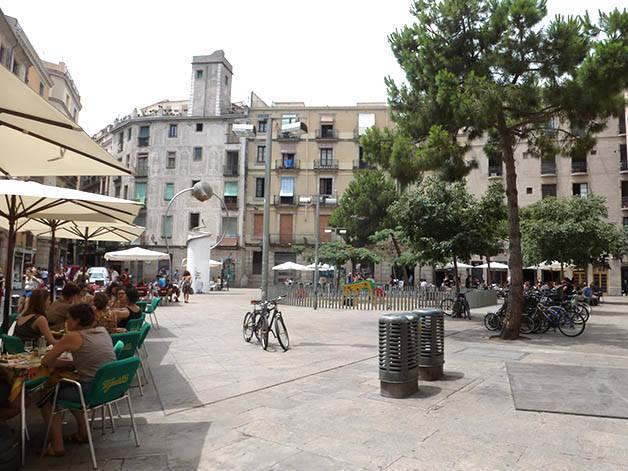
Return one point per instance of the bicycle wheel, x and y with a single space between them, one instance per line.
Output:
256 317
447 305
527 325
248 327
571 326
492 321
580 309
466 311
281 333
263 331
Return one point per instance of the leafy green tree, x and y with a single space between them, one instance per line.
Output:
494 69
570 231
491 216
363 208
440 221
338 253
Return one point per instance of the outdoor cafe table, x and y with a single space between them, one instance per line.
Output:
20 367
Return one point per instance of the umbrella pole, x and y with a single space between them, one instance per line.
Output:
8 274
85 254
51 262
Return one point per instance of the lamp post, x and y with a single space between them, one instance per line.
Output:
248 131
202 191
330 200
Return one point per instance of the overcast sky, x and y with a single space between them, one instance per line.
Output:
126 54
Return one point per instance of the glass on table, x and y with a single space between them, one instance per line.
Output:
28 345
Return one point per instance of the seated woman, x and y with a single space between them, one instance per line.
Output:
57 313
84 295
127 298
91 348
112 293
33 323
104 317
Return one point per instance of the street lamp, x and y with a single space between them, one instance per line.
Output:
201 191
248 131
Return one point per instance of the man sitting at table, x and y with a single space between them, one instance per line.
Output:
57 313
91 348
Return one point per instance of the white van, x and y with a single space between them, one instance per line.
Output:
98 276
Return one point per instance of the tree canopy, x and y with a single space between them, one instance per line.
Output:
494 70
570 231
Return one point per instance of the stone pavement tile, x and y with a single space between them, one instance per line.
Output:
279 433
304 461
406 464
145 463
551 457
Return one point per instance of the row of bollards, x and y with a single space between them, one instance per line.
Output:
411 345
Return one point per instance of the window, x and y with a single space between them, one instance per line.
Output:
16 67
41 89
258 225
230 226
231 194
226 80
1 54
166 226
199 74
257 263
548 190
121 142
580 189
195 219
144 135
140 220
128 159
261 154
286 193
128 134
579 164
365 121
169 191
622 122
325 186
288 118
259 187
494 168
172 130
171 160
142 166
199 127
125 192
327 131
625 221
529 190
117 191
261 126
287 160
140 192
198 153
327 157
623 157
67 101
231 166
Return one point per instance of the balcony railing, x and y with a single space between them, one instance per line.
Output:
330 164
495 171
287 164
548 167
231 202
624 202
231 138
578 166
326 134
284 136
281 239
361 164
229 171
623 165
279 200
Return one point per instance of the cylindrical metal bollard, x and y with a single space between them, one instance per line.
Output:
432 344
399 354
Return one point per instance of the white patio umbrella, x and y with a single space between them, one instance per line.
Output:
321 267
21 201
494 266
450 266
214 263
135 254
288 266
37 139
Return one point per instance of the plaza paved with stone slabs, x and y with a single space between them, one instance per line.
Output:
228 405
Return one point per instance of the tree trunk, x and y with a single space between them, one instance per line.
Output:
403 267
512 322
456 280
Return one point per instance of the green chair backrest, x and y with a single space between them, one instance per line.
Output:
141 305
13 318
143 334
111 381
135 324
12 344
130 340
117 348
153 305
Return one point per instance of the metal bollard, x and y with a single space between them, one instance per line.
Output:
432 344
399 354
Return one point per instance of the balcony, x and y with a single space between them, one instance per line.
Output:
282 239
495 171
361 165
326 134
548 168
287 164
330 164
279 200
578 166
285 137
229 171
327 200
231 138
231 202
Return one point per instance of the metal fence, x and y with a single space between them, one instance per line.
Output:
393 299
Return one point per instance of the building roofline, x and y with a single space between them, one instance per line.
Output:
141 119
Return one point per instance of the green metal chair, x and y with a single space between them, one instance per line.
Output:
110 385
142 305
152 308
143 334
117 349
131 341
135 324
12 344
13 318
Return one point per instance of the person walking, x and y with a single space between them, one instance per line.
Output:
186 286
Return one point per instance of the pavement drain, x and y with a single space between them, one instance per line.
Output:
505 355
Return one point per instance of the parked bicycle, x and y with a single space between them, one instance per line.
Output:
456 308
265 318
